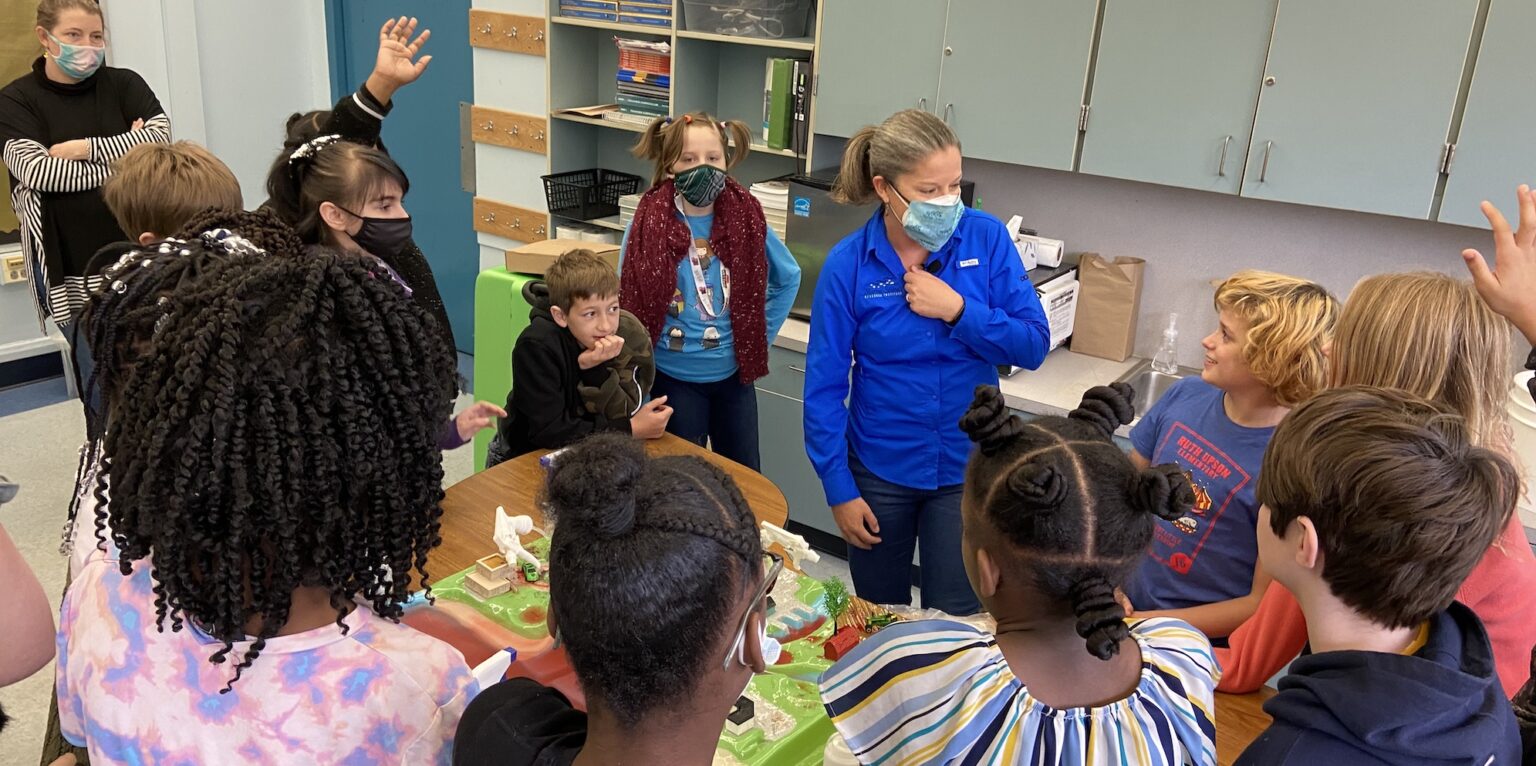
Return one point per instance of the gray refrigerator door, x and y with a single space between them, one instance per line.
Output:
816 224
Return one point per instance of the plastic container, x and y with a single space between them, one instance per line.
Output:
748 18
587 194
1166 359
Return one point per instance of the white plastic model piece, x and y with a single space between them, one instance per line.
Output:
794 545
508 536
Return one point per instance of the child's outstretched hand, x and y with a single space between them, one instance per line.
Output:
397 65
1510 287
475 417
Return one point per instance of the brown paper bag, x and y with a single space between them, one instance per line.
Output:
1108 302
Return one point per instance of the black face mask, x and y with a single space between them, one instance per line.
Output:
382 237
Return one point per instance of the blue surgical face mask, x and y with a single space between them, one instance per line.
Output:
931 222
77 61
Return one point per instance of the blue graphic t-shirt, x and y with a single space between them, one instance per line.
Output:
1210 555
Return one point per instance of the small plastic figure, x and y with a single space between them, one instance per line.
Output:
879 621
509 536
530 572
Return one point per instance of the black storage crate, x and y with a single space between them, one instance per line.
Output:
587 194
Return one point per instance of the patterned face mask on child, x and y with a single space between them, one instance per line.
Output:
701 185
932 222
77 61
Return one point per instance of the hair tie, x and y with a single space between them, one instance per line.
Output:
304 156
687 119
230 243
666 121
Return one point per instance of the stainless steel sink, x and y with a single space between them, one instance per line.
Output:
1150 384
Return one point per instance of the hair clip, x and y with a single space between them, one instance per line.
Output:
230 243
312 147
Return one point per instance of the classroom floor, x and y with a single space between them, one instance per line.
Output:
42 427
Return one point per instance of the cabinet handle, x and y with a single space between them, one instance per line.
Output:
949 109
1221 164
1264 169
922 103
800 370
948 51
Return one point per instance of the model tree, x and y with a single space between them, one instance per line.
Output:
836 599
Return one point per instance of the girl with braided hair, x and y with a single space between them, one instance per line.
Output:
658 591
1055 517
275 494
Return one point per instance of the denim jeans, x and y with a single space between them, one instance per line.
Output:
724 413
883 574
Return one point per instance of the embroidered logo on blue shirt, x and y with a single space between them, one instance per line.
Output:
882 289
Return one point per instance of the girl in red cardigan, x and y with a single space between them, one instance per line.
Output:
1428 334
709 280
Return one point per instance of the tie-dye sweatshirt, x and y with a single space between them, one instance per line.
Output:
380 694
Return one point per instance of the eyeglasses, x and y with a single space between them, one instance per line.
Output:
773 564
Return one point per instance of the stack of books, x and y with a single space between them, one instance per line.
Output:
774 196
596 10
643 81
651 13
786 99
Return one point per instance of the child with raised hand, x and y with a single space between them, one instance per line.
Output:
646 552
1055 518
711 283
582 365
275 491
1430 335
1376 506
1266 356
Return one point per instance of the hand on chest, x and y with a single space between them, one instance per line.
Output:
899 310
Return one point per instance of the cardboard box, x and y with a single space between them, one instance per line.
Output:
535 257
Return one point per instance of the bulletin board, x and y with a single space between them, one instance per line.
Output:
18 49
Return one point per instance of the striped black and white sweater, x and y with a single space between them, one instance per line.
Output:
63 218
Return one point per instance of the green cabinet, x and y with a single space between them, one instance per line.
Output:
1496 150
877 58
1357 102
1012 78
1174 89
781 438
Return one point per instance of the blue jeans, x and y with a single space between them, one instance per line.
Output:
723 412
883 574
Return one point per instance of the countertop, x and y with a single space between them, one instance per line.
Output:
1054 389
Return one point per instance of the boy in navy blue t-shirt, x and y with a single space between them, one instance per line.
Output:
1265 357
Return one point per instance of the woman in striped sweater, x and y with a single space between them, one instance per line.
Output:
62 125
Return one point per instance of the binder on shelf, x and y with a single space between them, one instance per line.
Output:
650 21
659 79
767 97
642 105
581 13
610 6
783 104
802 79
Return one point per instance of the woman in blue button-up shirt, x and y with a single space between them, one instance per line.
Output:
923 304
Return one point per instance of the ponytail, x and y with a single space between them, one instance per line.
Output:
889 150
855 184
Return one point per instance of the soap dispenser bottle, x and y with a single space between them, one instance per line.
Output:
1165 360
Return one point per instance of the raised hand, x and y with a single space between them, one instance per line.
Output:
1509 287
397 65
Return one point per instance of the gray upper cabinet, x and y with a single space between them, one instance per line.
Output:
1013 77
1174 91
1496 150
1357 103
877 58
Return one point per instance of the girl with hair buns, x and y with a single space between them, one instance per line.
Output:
922 304
709 280
1055 518
656 552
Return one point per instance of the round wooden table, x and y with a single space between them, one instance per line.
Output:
469 517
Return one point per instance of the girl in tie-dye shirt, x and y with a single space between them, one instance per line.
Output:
275 489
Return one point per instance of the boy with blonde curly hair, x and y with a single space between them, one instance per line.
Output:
1266 356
